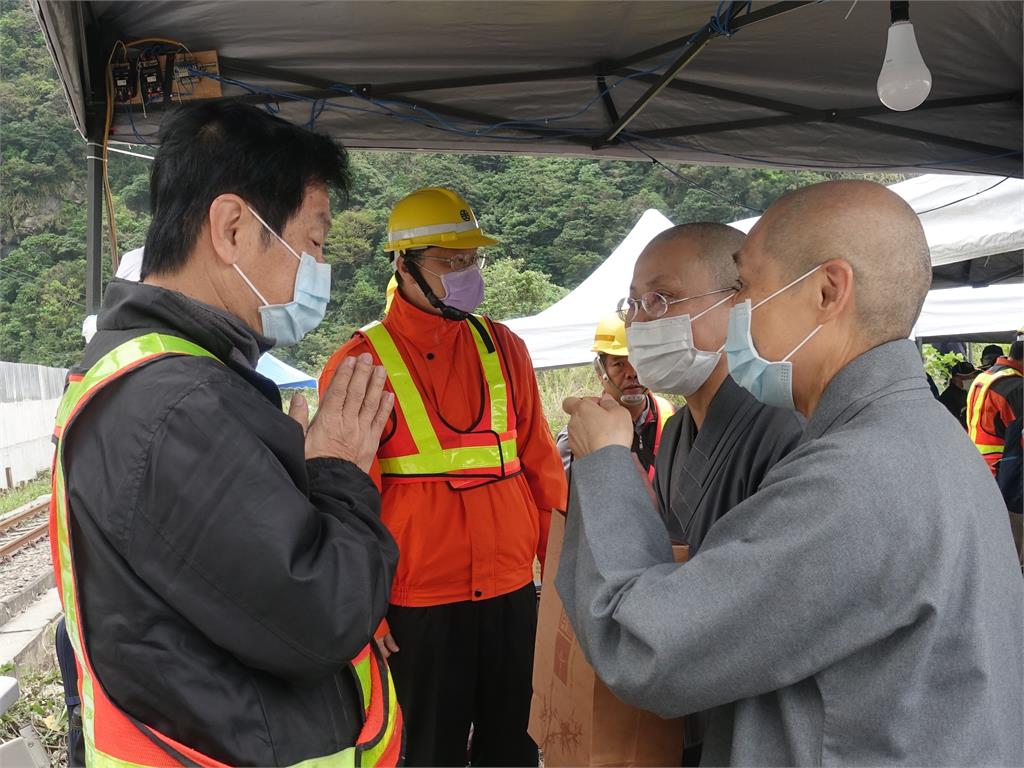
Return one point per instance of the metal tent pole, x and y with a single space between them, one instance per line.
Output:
94 228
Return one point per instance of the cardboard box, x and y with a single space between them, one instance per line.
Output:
574 717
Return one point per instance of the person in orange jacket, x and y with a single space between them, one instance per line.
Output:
995 401
469 474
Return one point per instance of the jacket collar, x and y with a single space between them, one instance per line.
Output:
1006 362
129 306
894 366
423 329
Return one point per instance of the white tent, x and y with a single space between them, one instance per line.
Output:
974 226
976 219
976 314
562 334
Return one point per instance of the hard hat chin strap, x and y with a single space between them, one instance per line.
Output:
449 313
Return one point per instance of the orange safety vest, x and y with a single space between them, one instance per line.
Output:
113 738
663 411
988 445
423 447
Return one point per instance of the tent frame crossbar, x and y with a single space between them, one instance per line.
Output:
694 45
852 117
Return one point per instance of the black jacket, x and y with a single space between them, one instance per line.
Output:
225 581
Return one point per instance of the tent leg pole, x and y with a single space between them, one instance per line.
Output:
94 228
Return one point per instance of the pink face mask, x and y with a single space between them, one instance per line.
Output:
464 289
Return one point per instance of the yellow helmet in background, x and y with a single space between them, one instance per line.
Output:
434 217
610 336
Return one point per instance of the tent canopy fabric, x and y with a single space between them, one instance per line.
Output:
283 374
761 83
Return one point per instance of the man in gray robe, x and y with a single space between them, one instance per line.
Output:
853 610
715 452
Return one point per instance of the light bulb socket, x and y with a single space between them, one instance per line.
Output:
900 11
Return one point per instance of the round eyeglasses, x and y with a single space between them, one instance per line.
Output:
654 304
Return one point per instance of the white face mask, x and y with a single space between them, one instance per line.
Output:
664 355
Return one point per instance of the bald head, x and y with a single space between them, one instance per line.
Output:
707 245
869 227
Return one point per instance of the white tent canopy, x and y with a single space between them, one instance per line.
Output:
968 220
977 219
563 333
976 314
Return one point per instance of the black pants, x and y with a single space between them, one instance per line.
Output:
69 676
462 664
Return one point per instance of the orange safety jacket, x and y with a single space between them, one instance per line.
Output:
989 411
115 739
461 537
424 447
663 411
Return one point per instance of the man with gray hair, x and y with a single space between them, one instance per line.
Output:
853 610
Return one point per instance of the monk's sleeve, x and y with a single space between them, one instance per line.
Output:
784 585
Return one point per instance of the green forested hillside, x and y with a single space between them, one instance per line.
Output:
556 219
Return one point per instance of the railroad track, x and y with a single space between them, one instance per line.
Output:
23 528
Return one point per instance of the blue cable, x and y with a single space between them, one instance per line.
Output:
135 130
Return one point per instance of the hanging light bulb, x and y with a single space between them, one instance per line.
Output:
904 82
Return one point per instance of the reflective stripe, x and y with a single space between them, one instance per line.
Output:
664 410
987 450
976 399
361 666
118 361
430 458
80 390
451 460
432 229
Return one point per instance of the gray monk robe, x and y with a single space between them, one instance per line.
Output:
853 611
701 475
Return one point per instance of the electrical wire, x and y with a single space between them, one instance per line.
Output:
693 183
549 128
32 278
109 116
966 197
719 22
133 154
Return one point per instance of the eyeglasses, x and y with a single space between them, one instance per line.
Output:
458 263
654 304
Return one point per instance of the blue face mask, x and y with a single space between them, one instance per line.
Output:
287 323
770 382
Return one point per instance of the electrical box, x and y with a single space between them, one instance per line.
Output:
123 77
185 79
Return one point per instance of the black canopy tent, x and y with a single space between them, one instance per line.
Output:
787 83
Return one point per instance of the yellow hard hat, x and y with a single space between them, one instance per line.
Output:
389 294
610 336
434 216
